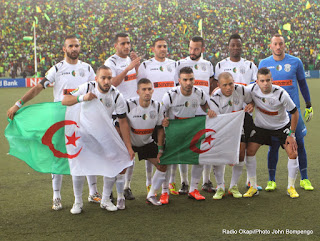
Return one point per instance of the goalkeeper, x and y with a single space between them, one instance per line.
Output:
288 72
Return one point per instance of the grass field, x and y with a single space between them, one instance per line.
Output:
26 196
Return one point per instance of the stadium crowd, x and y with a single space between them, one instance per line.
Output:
95 21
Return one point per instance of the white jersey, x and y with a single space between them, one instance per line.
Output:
161 74
177 106
222 104
128 87
271 109
243 72
202 70
142 121
67 77
112 100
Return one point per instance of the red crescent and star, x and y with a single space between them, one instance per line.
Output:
47 139
196 138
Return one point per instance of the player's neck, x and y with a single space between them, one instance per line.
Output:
144 103
159 59
235 59
124 56
185 93
279 57
71 61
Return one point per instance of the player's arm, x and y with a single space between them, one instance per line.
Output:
69 100
291 140
306 96
125 133
207 109
120 77
33 92
213 85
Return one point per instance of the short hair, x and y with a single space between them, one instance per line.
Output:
234 36
198 39
225 75
120 35
102 67
185 70
157 40
144 81
264 71
69 37
277 35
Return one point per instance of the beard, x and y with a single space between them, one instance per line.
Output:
194 57
73 55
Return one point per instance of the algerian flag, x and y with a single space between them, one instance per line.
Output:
204 140
78 140
287 26
159 9
308 5
200 25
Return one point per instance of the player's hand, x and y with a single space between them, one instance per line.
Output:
131 154
165 122
211 113
158 156
308 114
11 112
249 107
291 142
89 96
134 63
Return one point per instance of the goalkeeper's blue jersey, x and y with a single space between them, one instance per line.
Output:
286 73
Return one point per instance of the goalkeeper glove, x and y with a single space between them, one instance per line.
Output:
308 114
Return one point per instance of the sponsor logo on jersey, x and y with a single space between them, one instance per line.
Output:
65 73
130 77
142 131
201 82
286 82
226 70
154 69
287 67
268 112
279 67
163 84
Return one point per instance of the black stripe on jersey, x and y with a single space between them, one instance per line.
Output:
121 116
113 57
134 102
293 111
128 106
275 90
219 66
280 95
144 64
242 90
115 101
250 65
113 62
158 107
170 98
88 68
214 102
88 85
254 85
56 68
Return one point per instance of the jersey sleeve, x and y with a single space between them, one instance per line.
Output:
176 75
141 71
211 70
247 94
121 107
214 104
165 104
51 74
81 90
303 82
217 71
287 101
92 75
254 73
112 66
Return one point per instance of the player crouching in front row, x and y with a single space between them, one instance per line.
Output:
272 120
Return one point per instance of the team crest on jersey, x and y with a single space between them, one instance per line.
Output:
236 101
108 103
194 103
186 104
279 67
81 72
196 66
169 68
287 67
203 68
230 103
152 114
234 70
161 68
145 116
270 101
263 100
242 70
73 73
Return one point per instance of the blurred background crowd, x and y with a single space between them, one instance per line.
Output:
95 22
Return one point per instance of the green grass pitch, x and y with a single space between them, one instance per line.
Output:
26 196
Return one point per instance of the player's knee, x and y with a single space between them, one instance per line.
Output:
162 168
293 155
123 171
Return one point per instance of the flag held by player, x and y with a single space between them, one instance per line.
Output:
78 140
204 140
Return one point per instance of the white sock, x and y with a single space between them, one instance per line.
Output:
157 180
165 184
251 164
293 167
184 173
196 171
107 187
92 183
219 175
120 185
236 173
206 173
128 177
56 185
149 170
173 173
78 182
